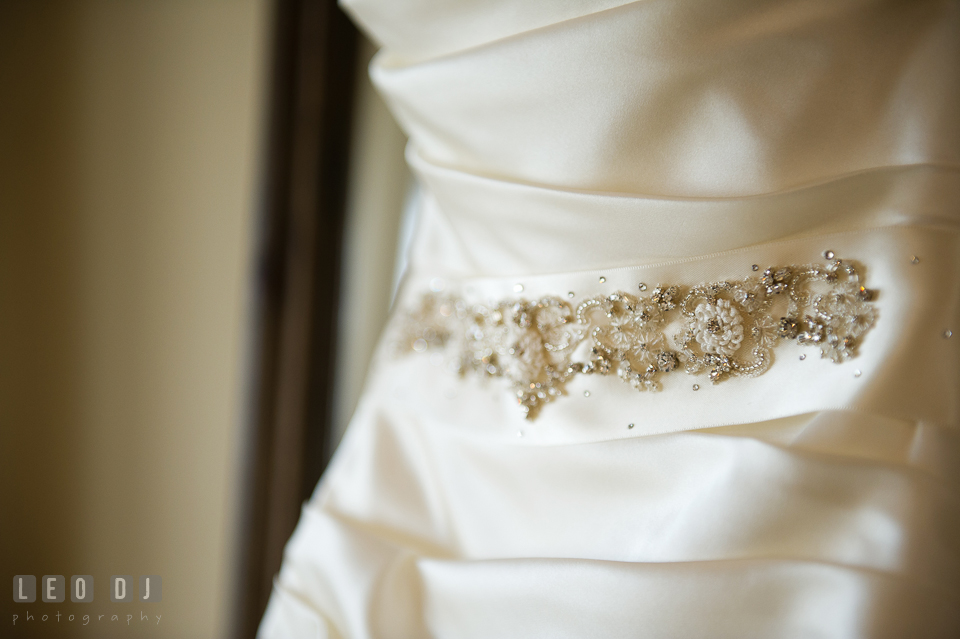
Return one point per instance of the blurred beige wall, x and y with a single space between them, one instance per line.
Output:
128 140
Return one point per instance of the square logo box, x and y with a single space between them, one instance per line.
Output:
151 588
24 588
121 588
81 588
53 588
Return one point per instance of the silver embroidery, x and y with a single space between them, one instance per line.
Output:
724 329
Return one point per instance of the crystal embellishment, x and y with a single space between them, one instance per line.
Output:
720 330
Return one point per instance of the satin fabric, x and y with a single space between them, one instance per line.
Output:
682 142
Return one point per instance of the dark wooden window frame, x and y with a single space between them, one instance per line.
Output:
293 336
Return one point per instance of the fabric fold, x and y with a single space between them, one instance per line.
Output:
760 599
505 228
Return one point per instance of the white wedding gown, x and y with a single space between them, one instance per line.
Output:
576 150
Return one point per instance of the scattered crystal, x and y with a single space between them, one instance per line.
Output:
629 425
643 286
696 387
914 260
602 279
518 288
828 254
803 357
665 298
570 294
755 267
586 393
788 327
813 332
857 373
777 280
667 361
947 334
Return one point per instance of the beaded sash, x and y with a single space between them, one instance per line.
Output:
718 329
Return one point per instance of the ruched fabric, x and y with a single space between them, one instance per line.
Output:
587 146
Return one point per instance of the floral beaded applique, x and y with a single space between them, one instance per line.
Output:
723 329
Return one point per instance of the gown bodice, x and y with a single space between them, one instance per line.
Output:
551 443
746 121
